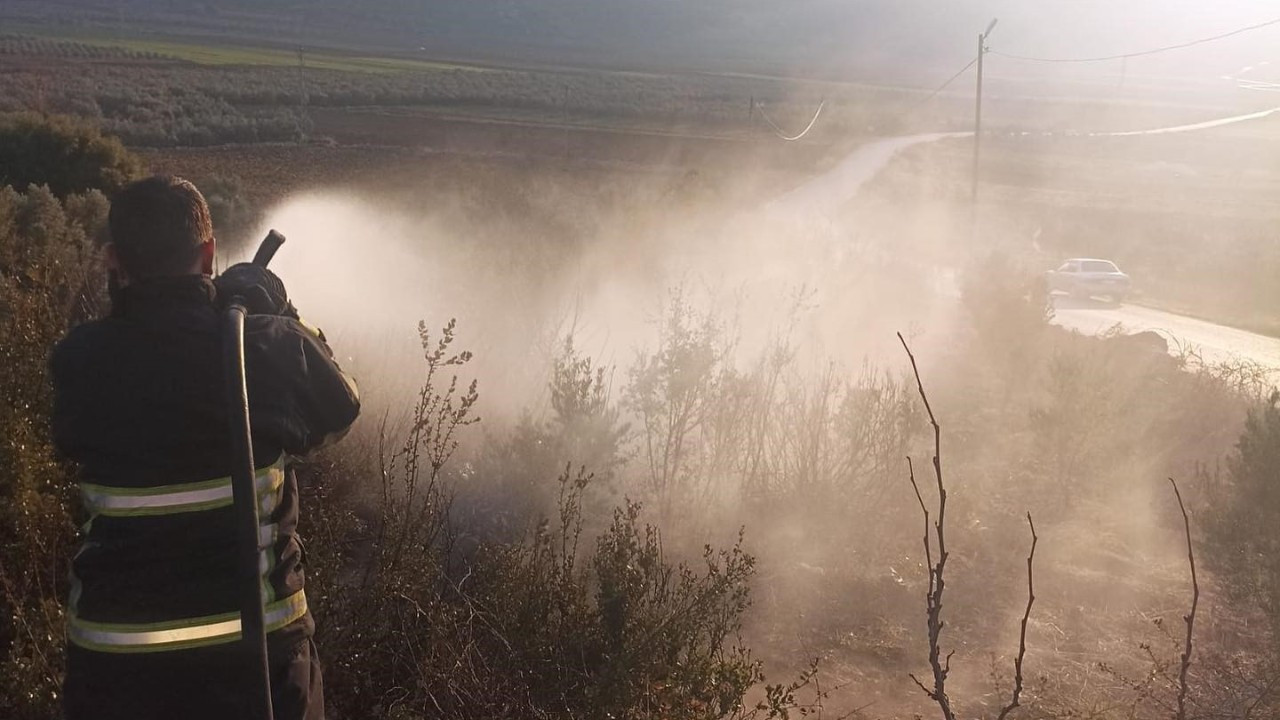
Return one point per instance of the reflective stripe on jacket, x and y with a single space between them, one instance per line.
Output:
181 498
179 634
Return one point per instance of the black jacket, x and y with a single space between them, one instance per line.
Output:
141 406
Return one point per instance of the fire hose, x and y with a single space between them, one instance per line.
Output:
253 636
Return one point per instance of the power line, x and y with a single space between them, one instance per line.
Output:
779 132
950 80
1142 53
925 101
759 107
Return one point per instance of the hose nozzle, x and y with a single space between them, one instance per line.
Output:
267 250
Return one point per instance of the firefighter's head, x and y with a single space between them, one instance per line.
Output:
159 227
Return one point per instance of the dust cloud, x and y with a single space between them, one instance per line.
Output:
367 271
805 411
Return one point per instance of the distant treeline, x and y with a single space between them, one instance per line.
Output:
827 39
31 45
150 102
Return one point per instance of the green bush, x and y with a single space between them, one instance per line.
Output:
68 156
46 266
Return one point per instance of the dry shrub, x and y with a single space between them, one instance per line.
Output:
413 625
1244 540
509 490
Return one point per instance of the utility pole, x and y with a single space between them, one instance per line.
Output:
977 121
564 121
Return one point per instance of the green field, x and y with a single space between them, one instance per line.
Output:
203 52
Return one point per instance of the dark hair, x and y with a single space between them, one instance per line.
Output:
158 225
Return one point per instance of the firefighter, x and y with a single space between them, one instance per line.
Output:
140 405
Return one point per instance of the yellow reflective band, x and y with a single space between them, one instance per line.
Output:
267 536
181 498
311 329
179 634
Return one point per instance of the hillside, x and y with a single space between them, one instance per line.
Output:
812 38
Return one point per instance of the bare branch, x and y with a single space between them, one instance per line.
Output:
921 685
928 551
919 384
933 600
911 471
1189 618
1022 637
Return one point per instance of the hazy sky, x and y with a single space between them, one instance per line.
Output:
928 37
1101 27
1050 27
923 38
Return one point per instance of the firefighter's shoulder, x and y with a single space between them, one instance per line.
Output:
84 343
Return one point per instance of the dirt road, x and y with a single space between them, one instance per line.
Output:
824 194
1214 343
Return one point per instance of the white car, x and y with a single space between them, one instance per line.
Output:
1090 277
